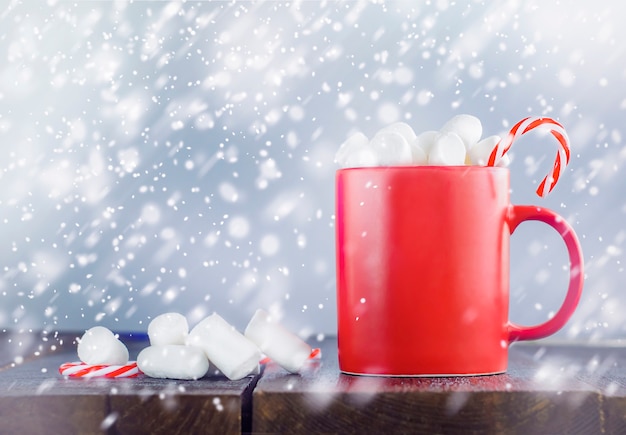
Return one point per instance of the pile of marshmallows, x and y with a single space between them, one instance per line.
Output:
457 143
177 353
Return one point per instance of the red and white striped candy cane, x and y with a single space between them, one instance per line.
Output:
82 370
562 155
316 353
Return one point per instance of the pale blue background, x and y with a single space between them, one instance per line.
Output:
163 156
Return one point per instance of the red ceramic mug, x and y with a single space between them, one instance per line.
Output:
423 270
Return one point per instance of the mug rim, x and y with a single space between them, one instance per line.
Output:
451 168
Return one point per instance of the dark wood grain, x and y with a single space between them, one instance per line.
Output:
601 366
153 406
527 399
548 388
36 399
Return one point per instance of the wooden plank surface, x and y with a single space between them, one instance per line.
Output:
36 399
603 367
548 388
532 397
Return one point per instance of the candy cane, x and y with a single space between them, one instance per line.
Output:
562 155
82 370
316 353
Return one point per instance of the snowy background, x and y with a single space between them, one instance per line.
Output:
165 156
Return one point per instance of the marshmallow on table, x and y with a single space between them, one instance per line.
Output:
447 150
467 127
168 328
278 343
100 346
173 361
232 353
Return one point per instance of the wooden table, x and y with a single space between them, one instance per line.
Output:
549 388
36 399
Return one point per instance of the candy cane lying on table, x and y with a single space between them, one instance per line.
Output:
130 370
82 370
562 155
316 353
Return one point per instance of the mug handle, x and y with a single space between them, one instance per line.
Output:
520 213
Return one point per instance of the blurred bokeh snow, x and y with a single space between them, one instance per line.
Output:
178 156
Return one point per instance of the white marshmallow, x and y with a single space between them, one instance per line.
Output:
426 140
419 157
100 346
391 149
361 157
232 353
168 328
403 129
282 346
468 128
447 150
479 154
504 162
173 361
214 371
349 147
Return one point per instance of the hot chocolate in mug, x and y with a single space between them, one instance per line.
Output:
423 270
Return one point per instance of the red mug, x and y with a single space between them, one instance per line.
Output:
423 270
